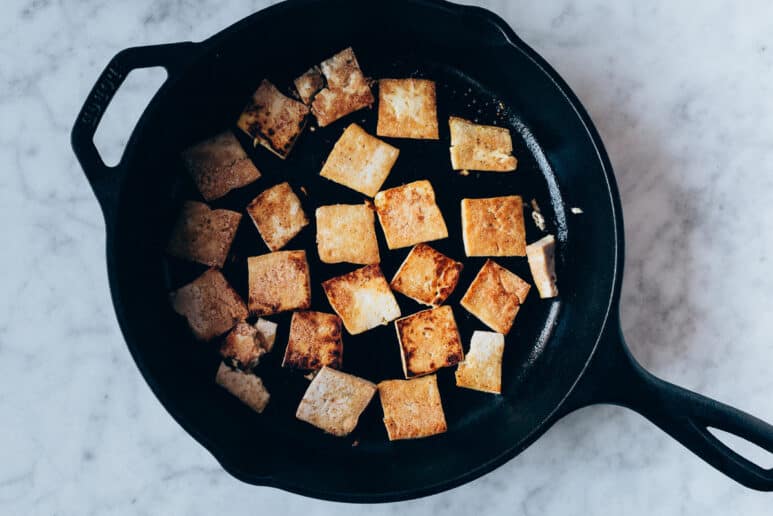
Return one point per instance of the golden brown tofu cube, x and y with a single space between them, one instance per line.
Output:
278 215
409 215
360 161
203 235
362 298
480 147
407 108
428 341
494 226
334 401
279 282
308 84
347 89
247 387
209 304
482 367
273 119
243 346
314 342
412 408
219 165
542 263
495 296
347 233
427 276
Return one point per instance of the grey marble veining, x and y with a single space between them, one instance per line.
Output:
681 94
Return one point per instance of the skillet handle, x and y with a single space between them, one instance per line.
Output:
615 377
106 180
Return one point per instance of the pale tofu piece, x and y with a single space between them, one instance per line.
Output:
247 387
267 331
218 165
407 108
308 84
494 226
346 91
482 367
334 401
428 341
480 147
203 235
347 233
278 215
362 298
412 408
495 296
427 276
314 342
542 262
273 120
278 282
243 346
209 304
409 215
359 161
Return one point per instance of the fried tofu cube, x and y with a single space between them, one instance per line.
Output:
267 331
409 215
480 147
347 89
362 298
219 165
482 367
308 84
209 304
347 233
494 226
273 119
428 341
278 282
247 387
495 296
407 108
278 215
334 401
314 342
427 276
203 235
243 346
359 161
412 408
542 263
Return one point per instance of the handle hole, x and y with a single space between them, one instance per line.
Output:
746 449
125 110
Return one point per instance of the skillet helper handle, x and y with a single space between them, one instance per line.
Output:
615 377
106 180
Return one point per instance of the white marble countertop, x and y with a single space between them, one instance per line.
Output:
681 95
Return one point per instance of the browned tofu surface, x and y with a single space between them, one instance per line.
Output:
427 276
346 91
247 387
494 226
334 401
278 282
480 147
278 215
347 233
243 346
314 342
542 263
219 165
308 84
407 108
209 304
273 119
495 296
412 408
482 366
428 341
409 214
203 235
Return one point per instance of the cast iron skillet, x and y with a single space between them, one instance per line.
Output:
563 354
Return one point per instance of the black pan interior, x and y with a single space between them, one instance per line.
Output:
479 76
